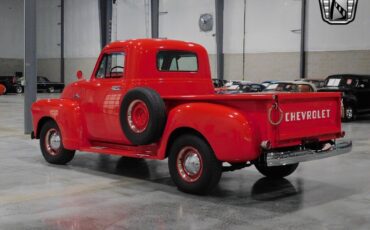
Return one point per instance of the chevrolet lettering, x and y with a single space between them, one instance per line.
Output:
307 115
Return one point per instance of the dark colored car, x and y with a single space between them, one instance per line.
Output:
218 83
10 83
355 90
251 87
43 84
319 83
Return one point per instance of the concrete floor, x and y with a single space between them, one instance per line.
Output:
105 192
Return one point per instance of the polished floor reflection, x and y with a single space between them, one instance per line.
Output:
109 192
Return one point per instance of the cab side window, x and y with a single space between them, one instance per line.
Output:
111 66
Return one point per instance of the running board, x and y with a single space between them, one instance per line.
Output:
147 151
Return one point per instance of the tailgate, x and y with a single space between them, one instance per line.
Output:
305 115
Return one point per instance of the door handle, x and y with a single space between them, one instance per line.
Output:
116 87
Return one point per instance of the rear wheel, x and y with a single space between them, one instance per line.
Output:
19 89
275 171
51 145
193 165
51 89
348 113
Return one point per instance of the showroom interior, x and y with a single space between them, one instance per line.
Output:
255 48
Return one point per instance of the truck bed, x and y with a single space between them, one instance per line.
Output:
284 119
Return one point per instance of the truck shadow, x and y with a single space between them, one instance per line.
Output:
243 189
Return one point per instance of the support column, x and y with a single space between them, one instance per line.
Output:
220 37
303 41
154 6
62 66
30 62
105 13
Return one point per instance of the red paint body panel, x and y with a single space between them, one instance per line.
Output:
233 125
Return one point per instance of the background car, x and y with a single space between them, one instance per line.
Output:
355 91
268 82
319 83
241 87
10 83
291 86
218 83
43 84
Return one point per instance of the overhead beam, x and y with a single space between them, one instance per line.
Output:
219 4
30 62
154 6
303 40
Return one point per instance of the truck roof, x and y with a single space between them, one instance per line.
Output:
154 43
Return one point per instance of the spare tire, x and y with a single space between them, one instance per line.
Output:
142 116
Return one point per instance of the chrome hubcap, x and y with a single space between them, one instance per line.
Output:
53 142
192 164
349 112
189 164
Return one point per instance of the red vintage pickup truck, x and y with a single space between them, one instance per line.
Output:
152 98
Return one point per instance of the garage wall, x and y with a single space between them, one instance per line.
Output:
11 39
272 50
82 37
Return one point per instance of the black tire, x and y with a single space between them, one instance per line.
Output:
209 174
51 89
349 113
154 106
58 155
275 171
19 89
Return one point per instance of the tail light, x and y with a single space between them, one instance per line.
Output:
14 80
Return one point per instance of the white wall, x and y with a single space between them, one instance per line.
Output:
324 37
11 27
48 30
82 29
130 20
181 21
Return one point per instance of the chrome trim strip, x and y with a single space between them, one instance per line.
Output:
292 157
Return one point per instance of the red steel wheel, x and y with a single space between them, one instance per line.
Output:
138 116
51 144
189 164
193 165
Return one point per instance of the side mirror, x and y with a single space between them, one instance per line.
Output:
79 75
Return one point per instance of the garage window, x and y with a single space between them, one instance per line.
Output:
177 61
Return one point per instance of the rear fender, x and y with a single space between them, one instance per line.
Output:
66 113
226 130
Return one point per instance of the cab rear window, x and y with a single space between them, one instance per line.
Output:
177 61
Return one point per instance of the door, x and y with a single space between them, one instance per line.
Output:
104 95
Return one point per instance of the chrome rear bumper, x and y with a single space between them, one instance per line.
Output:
292 157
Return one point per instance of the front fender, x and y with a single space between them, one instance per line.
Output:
227 130
66 113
